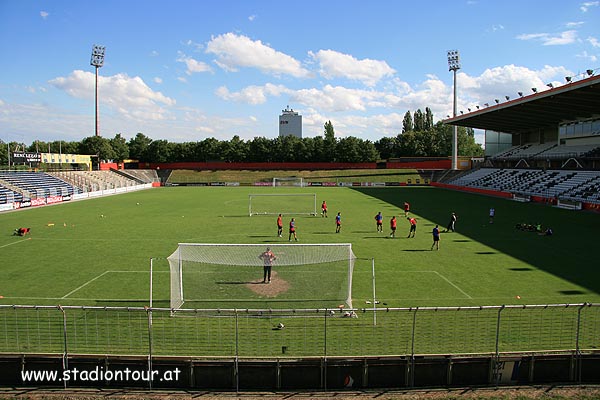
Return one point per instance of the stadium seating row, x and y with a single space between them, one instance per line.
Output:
547 151
23 185
565 184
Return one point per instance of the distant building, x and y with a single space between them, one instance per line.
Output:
290 123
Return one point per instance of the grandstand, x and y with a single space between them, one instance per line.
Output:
568 184
35 185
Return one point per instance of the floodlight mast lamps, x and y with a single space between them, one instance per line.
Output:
454 65
97 61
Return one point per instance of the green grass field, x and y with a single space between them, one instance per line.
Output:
76 256
97 253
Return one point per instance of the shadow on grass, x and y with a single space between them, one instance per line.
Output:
566 254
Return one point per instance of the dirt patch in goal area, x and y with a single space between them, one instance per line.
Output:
273 289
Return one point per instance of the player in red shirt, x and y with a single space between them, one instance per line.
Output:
279 225
324 209
406 208
393 226
413 226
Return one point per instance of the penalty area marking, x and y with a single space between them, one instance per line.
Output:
85 284
447 281
452 284
100 276
10 244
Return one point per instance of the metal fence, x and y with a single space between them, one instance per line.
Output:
299 333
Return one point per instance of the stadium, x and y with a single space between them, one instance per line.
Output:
160 267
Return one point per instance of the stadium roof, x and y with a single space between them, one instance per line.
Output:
572 101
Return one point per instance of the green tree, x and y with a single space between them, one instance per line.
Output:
208 150
259 149
120 147
3 153
234 150
407 122
419 119
99 146
329 142
160 151
138 147
387 147
428 123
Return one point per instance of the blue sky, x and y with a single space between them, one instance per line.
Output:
186 70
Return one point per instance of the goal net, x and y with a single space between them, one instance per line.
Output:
288 181
282 203
231 276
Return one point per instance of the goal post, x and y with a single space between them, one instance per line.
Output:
231 276
288 181
282 203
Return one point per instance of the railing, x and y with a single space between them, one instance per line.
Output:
299 333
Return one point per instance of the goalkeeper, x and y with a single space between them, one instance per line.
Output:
268 257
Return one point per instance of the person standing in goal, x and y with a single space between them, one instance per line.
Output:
268 257
324 209
292 230
338 222
279 225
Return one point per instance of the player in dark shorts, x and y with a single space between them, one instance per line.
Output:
338 222
324 209
393 226
268 257
436 238
413 226
292 230
279 225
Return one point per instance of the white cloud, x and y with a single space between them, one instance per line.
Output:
157 80
335 65
193 66
574 24
251 94
129 96
593 41
251 18
44 14
586 6
234 51
566 37
586 56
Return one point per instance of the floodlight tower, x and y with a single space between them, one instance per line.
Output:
454 65
97 61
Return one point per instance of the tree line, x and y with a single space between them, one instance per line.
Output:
420 137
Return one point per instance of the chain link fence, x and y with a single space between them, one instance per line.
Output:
299 333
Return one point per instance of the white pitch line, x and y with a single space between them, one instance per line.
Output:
10 244
85 284
456 287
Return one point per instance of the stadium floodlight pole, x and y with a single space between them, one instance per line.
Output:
454 65
97 61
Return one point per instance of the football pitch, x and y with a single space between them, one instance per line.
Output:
97 252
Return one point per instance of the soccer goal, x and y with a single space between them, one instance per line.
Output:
288 181
231 276
282 203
